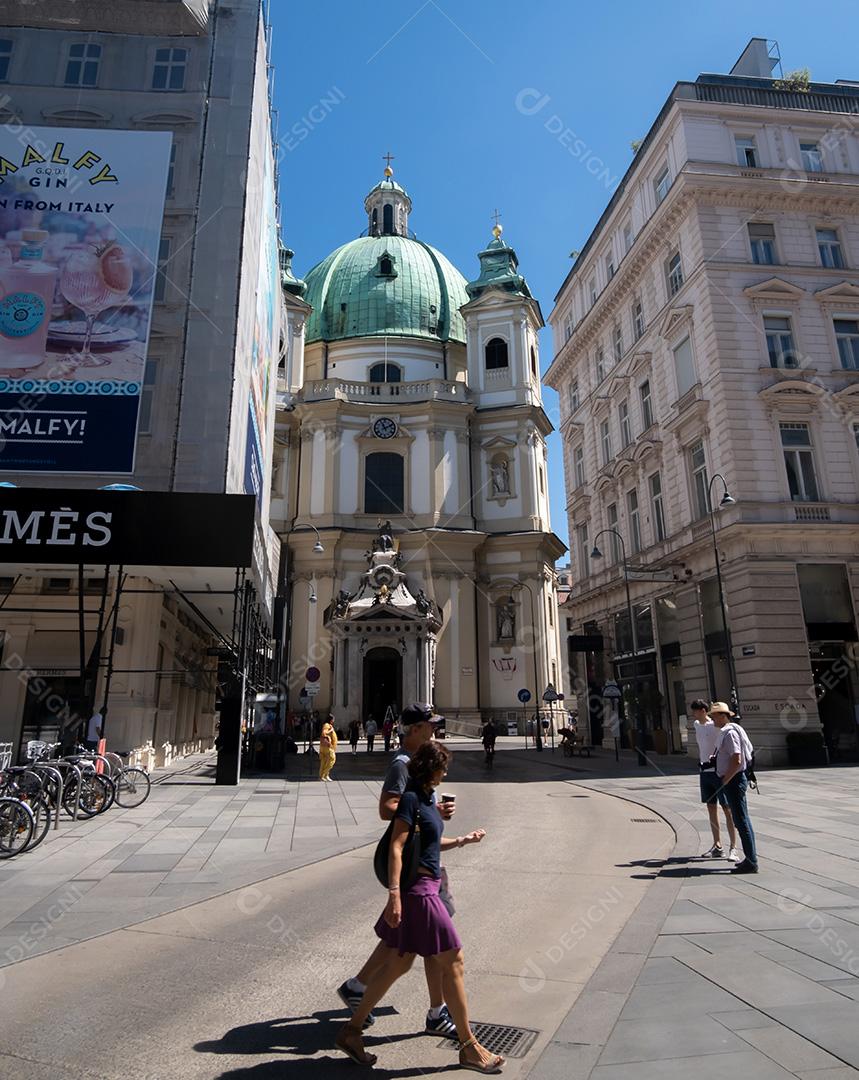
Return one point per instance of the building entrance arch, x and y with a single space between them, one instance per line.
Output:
383 683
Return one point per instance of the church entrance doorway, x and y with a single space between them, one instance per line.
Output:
383 683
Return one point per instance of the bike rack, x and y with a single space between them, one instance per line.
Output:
58 776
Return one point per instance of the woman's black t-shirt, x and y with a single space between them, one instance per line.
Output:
431 825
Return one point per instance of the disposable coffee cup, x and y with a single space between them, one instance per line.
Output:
447 797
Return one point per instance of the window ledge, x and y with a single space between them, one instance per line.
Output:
788 372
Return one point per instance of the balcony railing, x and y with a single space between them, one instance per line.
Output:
812 512
402 392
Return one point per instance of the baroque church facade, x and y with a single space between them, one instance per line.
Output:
411 448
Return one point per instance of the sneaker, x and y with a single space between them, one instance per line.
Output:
715 852
441 1025
352 1000
745 867
734 855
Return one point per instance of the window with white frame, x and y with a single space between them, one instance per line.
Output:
579 465
781 348
746 152
160 290
634 521
684 367
799 462
637 319
847 336
613 541
617 337
657 510
674 273
829 248
147 395
575 401
627 237
699 480
661 185
82 64
584 553
599 364
812 159
609 267
605 441
169 69
625 429
6 46
592 290
762 241
568 326
646 404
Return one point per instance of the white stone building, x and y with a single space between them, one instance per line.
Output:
411 411
710 325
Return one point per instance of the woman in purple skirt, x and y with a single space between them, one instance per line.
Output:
417 922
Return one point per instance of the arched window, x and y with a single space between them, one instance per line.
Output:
383 484
386 267
496 354
533 361
386 373
375 223
388 219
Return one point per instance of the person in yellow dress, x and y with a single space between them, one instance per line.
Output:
327 749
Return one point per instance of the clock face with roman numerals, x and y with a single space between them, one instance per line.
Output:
384 428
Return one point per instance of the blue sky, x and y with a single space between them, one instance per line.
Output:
437 83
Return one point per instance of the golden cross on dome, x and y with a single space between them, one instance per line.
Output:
497 228
388 158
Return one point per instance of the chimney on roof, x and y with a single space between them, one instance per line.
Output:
760 59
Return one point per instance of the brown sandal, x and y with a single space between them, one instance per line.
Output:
357 1054
491 1068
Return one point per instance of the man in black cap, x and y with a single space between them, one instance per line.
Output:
418 723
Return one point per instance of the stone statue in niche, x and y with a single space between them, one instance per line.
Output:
501 477
505 616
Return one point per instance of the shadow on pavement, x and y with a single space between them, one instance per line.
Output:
303 1036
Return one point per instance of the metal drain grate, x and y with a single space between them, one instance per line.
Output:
512 1042
642 820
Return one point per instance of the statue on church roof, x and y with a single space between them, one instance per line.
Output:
385 540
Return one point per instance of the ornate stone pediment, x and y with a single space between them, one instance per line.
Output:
675 320
498 442
775 290
845 292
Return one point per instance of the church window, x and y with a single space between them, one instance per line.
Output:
385 373
496 354
375 222
388 219
385 267
383 484
533 361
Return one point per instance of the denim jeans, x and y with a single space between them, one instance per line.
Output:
735 790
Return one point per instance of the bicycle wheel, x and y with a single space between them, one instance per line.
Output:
109 792
132 788
41 810
16 827
96 795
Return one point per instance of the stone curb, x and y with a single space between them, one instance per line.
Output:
575 1048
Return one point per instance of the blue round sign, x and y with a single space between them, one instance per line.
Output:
524 695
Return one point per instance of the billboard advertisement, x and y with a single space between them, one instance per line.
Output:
80 229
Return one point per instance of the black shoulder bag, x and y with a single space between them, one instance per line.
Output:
411 855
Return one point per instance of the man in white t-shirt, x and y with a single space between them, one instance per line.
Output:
733 756
707 736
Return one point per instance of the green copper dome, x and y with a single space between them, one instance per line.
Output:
385 285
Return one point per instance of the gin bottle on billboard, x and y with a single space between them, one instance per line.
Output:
26 298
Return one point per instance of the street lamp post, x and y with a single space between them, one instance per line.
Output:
639 718
538 735
726 500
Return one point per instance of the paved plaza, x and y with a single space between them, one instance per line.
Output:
222 918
